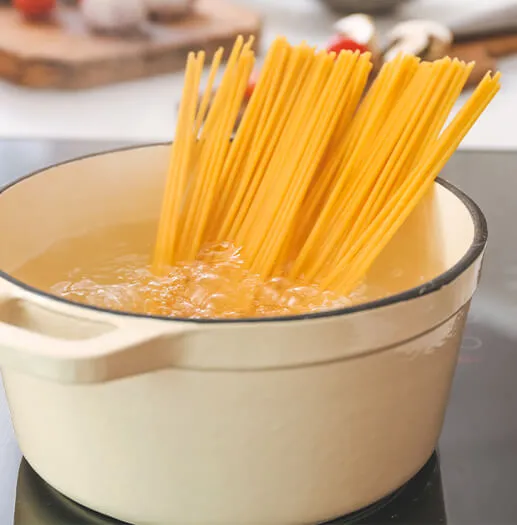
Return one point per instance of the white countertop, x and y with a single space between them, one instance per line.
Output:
145 110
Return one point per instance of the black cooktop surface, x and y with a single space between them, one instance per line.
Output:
471 480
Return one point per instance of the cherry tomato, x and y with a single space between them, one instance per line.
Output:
340 43
251 85
250 89
34 8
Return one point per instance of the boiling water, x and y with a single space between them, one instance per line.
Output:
110 269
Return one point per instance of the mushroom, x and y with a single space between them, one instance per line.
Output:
423 38
113 16
165 10
360 28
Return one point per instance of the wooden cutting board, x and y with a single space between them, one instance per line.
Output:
63 54
484 50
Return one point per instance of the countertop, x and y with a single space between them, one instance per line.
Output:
145 110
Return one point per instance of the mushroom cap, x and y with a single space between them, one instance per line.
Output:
425 38
429 28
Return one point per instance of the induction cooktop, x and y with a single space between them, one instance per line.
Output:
470 479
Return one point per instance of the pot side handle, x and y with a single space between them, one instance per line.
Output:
65 348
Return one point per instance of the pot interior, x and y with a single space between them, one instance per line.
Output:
113 200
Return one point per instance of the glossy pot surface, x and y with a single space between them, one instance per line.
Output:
277 421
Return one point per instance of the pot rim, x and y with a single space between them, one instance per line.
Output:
472 254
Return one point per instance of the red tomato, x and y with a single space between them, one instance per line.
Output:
34 8
340 43
250 89
251 85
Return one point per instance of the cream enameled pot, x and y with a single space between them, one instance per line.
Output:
282 421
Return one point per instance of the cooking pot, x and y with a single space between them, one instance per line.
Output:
292 420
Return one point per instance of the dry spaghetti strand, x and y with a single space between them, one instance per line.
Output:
213 147
322 124
180 163
365 129
427 103
363 253
320 173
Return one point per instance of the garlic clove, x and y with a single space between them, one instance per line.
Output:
113 16
361 29
358 27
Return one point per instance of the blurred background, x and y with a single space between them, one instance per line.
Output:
107 70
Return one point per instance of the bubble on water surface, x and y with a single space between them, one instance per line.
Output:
216 285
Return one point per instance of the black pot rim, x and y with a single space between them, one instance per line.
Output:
473 253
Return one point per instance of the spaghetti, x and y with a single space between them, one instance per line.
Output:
320 173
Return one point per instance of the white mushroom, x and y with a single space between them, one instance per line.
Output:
113 16
168 9
423 38
360 28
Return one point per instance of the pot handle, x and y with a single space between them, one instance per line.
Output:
91 348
